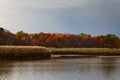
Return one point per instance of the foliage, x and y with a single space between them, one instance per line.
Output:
1 29
111 40
59 40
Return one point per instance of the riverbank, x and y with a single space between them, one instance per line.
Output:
24 52
86 51
36 52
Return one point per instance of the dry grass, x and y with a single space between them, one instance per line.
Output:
36 52
86 51
24 52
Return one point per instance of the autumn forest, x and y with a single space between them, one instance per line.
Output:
58 40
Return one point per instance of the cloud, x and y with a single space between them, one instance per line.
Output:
66 16
43 3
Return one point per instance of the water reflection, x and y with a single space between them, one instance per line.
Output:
62 69
109 67
5 69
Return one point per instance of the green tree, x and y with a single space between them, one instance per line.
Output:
1 29
21 34
111 40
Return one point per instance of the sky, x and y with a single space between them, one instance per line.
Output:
95 17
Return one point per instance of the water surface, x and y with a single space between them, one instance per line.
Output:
61 69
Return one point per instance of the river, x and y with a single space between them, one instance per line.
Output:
62 69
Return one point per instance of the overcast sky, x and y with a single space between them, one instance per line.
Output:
94 17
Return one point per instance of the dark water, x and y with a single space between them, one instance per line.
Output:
61 69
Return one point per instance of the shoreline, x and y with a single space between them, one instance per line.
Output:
37 52
24 52
82 56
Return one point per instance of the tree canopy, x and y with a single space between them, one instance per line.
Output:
58 39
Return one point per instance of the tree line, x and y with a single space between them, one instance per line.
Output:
58 40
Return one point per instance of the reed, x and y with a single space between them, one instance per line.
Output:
37 52
24 52
86 51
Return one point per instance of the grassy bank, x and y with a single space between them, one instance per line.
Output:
86 51
24 52
36 52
